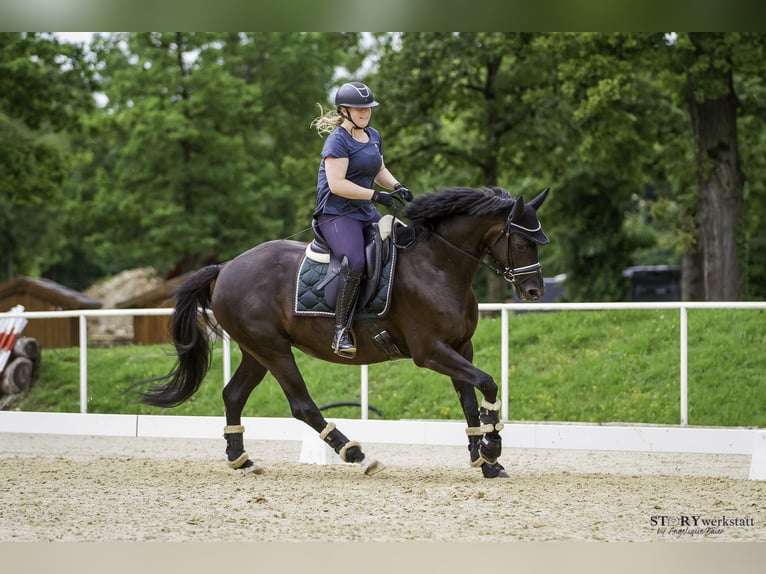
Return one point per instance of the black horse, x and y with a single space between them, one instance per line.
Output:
431 318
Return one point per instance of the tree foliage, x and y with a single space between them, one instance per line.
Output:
44 94
201 147
203 132
467 114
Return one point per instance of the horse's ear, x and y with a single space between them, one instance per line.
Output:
538 201
517 210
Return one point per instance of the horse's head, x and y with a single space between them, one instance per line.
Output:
515 248
489 221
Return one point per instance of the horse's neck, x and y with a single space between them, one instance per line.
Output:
461 241
469 234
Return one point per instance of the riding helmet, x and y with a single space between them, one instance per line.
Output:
355 95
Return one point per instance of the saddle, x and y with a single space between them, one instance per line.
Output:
317 280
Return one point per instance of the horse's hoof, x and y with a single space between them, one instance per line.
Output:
501 474
249 467
371 466
253 469
495 470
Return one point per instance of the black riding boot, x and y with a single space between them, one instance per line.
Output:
348 291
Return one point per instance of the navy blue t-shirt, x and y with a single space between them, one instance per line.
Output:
364 161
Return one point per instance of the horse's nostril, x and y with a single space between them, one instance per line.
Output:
533 294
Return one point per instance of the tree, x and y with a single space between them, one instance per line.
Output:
466 114
641 136
44 89
653 145
712 103
208 140
621 123
710 75
751 132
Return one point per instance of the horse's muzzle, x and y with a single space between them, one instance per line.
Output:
528 291
528 281
533 294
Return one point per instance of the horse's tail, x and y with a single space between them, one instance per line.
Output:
190 338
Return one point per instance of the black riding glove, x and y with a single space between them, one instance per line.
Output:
403 192
383 198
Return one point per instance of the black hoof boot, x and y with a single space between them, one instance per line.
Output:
349 451
236 457
494 470
480 450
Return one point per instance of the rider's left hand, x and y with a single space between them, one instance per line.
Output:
403 192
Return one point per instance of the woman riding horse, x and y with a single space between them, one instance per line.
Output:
352 162
432 316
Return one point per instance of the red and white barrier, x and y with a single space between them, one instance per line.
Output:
10 329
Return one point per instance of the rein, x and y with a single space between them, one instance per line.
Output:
509 272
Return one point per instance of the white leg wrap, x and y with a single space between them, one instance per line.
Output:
242 459
475 431
491 406
327 430
481 460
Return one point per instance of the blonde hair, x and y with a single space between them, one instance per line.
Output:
327 121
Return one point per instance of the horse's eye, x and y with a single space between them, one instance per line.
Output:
519 244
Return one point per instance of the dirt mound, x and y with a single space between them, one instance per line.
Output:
121 287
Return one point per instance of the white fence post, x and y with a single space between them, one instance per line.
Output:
504 363
684 369
365 392
83 364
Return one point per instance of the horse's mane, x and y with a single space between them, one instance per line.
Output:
425 210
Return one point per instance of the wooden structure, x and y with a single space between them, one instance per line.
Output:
153 329
46 295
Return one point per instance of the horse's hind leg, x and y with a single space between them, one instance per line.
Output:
303 408
235 394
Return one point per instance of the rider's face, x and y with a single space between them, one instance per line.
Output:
361 116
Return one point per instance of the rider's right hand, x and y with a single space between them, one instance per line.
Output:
383 198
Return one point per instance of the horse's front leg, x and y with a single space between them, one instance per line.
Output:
482 447
484 441
484 426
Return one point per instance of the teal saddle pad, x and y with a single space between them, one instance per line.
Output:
310 298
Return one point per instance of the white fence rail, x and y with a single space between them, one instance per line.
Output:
681 306
503 308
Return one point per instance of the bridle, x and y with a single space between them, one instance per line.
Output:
510 272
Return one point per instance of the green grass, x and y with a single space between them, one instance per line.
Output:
585 366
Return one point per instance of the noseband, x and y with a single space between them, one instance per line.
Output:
511 274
